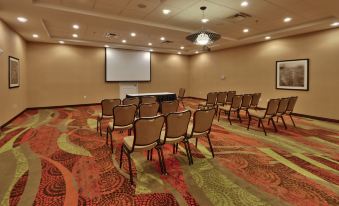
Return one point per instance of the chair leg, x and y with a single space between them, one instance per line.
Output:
121 151
187 151
209 142
249 122
97 125
263 127
275 127
278 119
177 147
151 155
292 120
130 168
196 142
111 141
107 132
100 127
160 161
259 123
219 115
238 113
129 132
163 161
174 148
147 154
229 117
282 118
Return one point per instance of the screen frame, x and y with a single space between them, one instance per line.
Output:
150 78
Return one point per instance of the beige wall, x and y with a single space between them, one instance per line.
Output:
63 75
252 69
12 101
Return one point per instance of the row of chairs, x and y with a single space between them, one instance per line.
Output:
148 107
275 108
149 134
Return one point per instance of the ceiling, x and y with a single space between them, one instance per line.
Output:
52 20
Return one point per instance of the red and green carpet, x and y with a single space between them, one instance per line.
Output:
55 157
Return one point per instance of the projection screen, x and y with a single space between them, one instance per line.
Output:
127 65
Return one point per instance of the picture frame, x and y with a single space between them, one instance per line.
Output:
292 74
13 72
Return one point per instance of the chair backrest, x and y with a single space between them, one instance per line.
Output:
230 96
291 103
236 101
221 98
272 107
177 124
131 100
124 115
148 109
203 119
283 105
169 106
147 131
255 99
148 99
181 93
246 100
211 97
107 106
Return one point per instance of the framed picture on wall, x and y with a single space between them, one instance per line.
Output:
292 74
13 72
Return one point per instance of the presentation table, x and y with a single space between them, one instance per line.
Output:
161 96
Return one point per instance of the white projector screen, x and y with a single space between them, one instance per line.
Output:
127 65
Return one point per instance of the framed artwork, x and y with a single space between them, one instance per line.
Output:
292 74
13 72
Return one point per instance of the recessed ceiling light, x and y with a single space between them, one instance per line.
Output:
166 11
151 50
179 52
150 44
75 35
182 47
133 34
22 19
244 4
245 30
35 36
335 24
106 46
196 52
124 41
162 38
287 19
76 26
267 37
204 20
61 42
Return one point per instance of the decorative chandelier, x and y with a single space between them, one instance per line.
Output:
203 37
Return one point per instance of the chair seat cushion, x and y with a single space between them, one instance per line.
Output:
100 116
128 142
130 126
170 140
258 113
189 131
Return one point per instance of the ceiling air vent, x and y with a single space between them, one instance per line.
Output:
167 42
110 35
238 17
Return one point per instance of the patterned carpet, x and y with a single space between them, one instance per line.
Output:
55 157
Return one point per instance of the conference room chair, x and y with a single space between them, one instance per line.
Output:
246 103
269 113
229 97
148 99
210 101
123 118
148 109
221 99
181 96
176 130
233 107
107 106
202 124
147 133
255 100
282 110
290 107
131 100
169 106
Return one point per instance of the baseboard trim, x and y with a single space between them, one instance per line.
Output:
12 119
46 107
62 106
198 98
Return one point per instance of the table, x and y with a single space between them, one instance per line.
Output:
161 96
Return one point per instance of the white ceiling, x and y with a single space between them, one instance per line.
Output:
53 20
